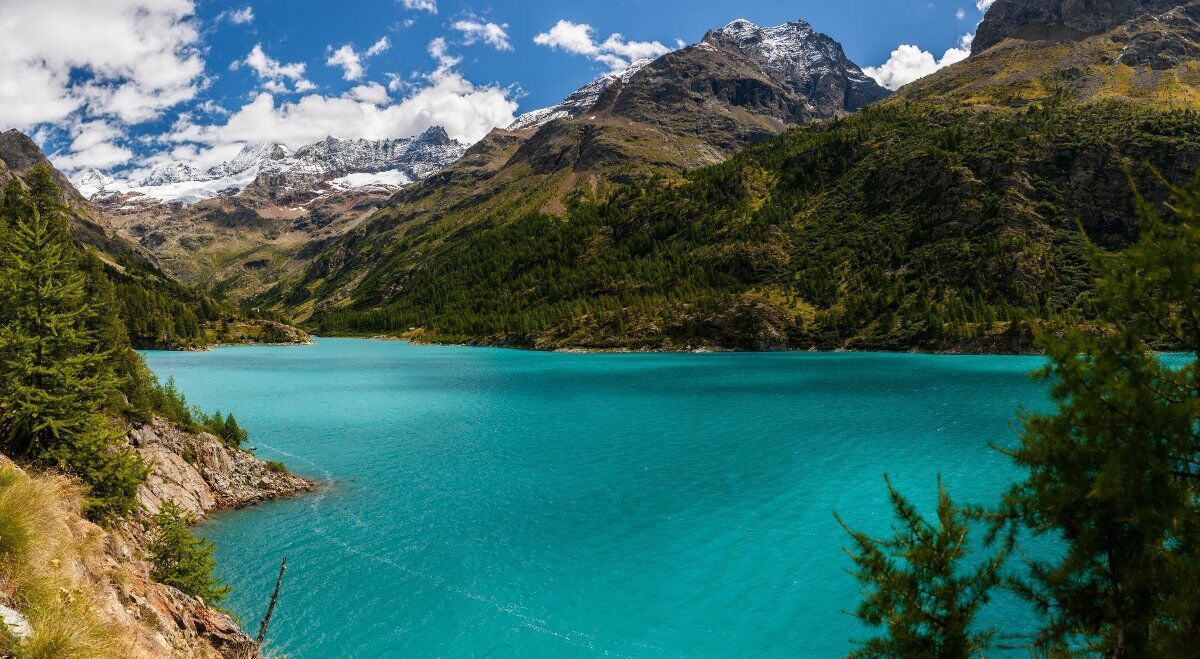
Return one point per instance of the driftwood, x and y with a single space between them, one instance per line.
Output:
262 629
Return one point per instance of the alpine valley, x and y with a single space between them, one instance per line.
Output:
756 191
753 191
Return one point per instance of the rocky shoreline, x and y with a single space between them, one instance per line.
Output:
201 475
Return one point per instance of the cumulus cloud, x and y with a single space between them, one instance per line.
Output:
94 145
348 60
126 59
421 5
984 5
372 92
379 46
442 97
908 63
614 52
351 61
493 34
237 16
273 74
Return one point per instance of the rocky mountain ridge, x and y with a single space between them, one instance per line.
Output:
1061 19
332 163
692 107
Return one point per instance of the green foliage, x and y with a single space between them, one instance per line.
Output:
56 367
277 467
914 587
1113 472
182 560
902 226
169 403
226 428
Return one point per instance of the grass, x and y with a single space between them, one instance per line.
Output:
40 570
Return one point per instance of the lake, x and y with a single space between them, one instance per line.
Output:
508 503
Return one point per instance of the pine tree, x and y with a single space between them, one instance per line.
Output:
182 560
914 585
54 378
1115 470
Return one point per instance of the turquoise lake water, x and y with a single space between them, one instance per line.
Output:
504 503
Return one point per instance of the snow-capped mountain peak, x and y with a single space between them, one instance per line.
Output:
580 100
340 163
793 50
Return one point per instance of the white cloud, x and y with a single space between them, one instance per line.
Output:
442 97
351 61
379 46
960 13
372 92
421 5
129 60
236 16
984 5
94 145
273 74
493 34
909 63
615 52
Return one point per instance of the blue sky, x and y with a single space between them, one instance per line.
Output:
136 82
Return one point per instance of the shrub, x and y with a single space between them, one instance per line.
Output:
182 560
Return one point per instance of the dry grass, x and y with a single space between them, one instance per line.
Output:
40 569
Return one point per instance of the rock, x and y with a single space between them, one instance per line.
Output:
16 623
1060 19
201 474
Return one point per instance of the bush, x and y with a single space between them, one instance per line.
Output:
182 560
277 467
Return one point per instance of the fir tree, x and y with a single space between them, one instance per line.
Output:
1115 470
182 560
914 585
54 378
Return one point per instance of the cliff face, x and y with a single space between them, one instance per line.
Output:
107 568
1059 19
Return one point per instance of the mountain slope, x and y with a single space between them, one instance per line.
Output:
689 108
243 224
1028 51
158 312
946 217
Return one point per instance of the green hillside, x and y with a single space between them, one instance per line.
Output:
903 226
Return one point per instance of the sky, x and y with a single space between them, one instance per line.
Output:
123 85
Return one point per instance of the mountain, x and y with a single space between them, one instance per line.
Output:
331 164
945 217
690 108
1061 20
579 101
158 312
1028 51
241 225
19 155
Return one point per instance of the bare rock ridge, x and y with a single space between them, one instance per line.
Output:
1060 19
274 170
788 74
